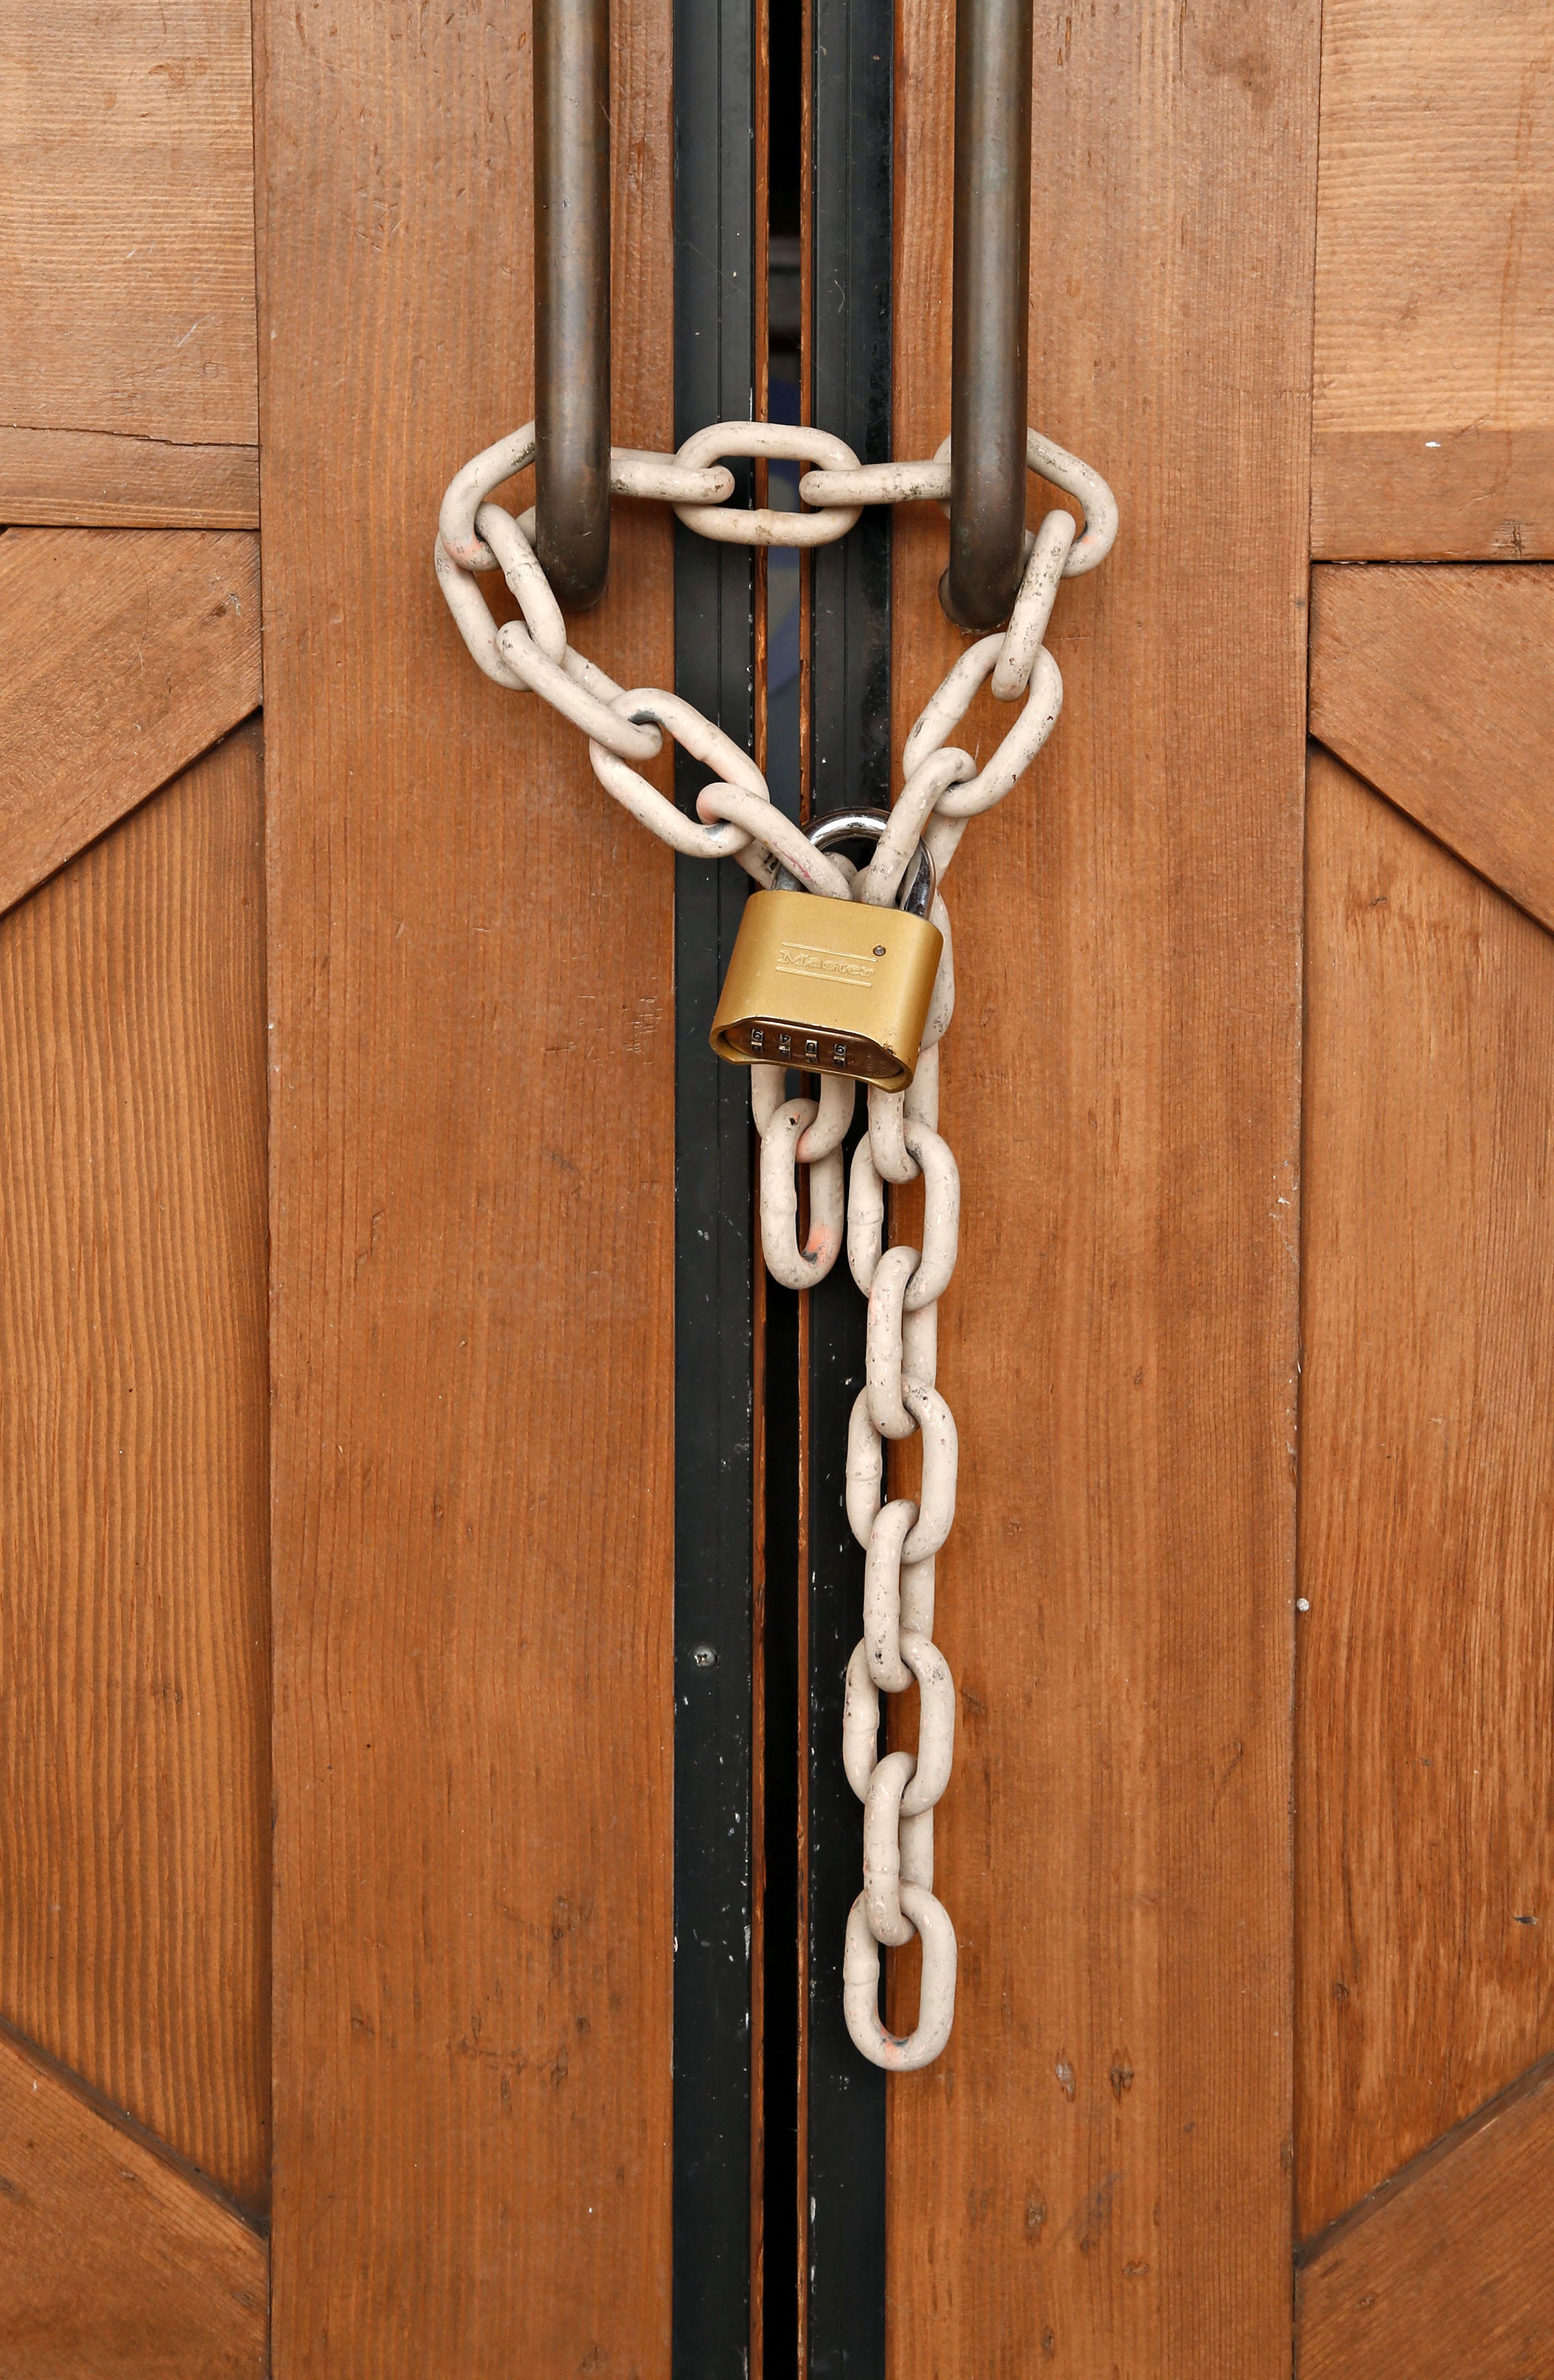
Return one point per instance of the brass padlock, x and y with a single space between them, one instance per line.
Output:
834 987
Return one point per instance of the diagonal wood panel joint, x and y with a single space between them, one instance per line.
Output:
1436 683
129 652
112 2257
1448 2268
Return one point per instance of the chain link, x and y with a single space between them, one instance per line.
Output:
943 789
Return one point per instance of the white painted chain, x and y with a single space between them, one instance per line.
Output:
736 818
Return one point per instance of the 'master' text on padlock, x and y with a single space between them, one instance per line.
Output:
837 966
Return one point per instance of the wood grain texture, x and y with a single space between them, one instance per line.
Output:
472 1214
1409 496
1438 685
1425 1709
126 653
112 2259
127 281
1435 264
98 478
1450 2270
134 1795
1094 2178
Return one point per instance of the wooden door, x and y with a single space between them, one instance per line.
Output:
1424 1770
135 1949
329 1104
353 1501
1259 1148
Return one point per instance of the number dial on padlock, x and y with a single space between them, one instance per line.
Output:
830 987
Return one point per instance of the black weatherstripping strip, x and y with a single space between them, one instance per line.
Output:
714 112
850 361
850 385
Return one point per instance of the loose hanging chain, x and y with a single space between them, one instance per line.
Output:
736 818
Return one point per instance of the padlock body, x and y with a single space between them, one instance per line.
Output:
830 987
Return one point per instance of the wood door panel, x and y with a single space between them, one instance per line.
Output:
112 2259
1434 389
473 1235
92 477
1408 495
1438 685
1450 2271
1426 1706
134 1687
126 283
1121 1087
126 653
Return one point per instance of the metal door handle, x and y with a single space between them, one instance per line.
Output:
572 296
990 308
990 311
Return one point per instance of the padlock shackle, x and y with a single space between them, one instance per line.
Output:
847 826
